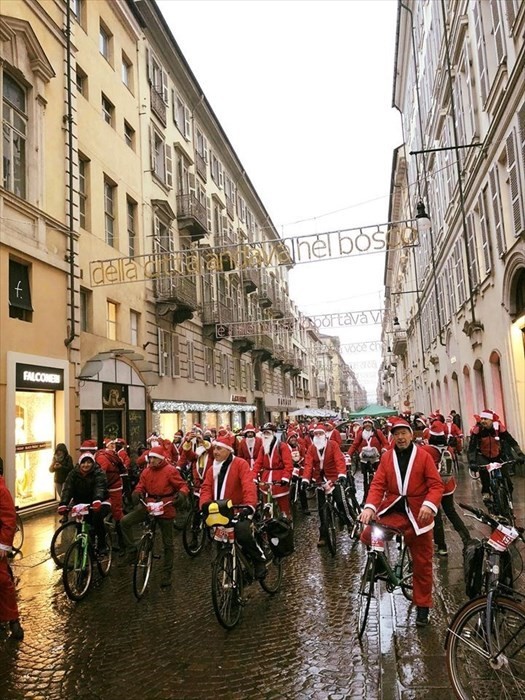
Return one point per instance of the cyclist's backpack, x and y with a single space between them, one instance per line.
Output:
280 536
473 567
446 463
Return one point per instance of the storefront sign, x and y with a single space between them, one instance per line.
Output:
32 446
284 402
38 377
239 399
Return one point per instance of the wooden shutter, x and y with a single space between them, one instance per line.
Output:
497 30
472 251
168 165
485 230
175 356
516 196
481 52
495 195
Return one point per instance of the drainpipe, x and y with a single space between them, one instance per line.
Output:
70 184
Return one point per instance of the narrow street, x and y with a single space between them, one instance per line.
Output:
302 643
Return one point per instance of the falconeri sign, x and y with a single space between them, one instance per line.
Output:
318 247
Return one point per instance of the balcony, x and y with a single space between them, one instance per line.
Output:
250 280
278 355
214 312
299 393
262 346
399 342
279 307
158 106
191 216
266 295
177 295
200 165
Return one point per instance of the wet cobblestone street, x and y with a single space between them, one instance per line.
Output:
301 643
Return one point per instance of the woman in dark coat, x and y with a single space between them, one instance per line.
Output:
61 465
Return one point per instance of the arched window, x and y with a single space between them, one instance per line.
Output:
446 394
498 404
479 387
469 402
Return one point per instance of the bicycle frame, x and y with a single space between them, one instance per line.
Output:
393 575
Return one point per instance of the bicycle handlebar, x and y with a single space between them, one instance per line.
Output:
271 483
487 519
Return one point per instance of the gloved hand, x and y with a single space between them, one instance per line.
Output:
180 501
96 506
305 484
246 513
295 478
62 510
285 482
135 498
343 481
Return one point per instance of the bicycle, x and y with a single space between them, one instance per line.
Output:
18 539
500 489
485 642
369 458
231 570
195 530
61 541
331 515
77 572
378 567
145 552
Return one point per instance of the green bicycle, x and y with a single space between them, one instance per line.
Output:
78 566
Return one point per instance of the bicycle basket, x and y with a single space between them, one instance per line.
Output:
280 536
219 512
473 567
369 454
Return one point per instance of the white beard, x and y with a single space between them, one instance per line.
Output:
320 442
200 450
367 434
216 467
250 442
267 442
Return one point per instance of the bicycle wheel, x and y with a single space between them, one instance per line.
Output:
61 541
76 575
18 539
226 590
271 583
329 528
143 564
487 665
194 535
406 573
366 592
105 556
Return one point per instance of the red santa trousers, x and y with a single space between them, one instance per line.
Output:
8 606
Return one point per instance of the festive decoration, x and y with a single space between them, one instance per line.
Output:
172 406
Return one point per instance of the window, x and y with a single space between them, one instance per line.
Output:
83 168
484 224
127 71
109 212
497 211
77 8
158 77
104 42
191 359
161 159
217 174
111 320
459 274
81 81
516 195
108 110
164 352
201 144
175 357
14 135
84 310
181 116
134 320
209 369
131 222
129 135
19 291
473 251
225 379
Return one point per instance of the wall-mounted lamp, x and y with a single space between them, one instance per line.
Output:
146 344
396 321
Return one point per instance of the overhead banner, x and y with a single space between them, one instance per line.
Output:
316 247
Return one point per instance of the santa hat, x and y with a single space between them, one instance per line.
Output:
249 428
179 432
400 423
449 419
197 428
223 441
419 419
156 452
86 455
292 434
367 419
487 413
321 427
88 446
437 428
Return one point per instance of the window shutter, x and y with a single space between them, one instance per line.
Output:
168 165
496 210
208 214
187 123
515 184
149 66
511 7
175 357
162 359
497 26
521 139
220 174
485 231
152 148
481 52
472 251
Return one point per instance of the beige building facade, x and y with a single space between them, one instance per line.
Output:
455 324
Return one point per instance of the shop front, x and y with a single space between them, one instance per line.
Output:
170 416
36 420
277 409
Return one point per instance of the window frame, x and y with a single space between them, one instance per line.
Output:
10 179
110 236
111 323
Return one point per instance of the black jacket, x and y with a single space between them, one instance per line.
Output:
61 469
85 489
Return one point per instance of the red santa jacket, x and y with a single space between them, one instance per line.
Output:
275 466
449 482
330 464
110 462
124 458
7 517
298 454
198 458
161 483
238 484
335 435
244 451
422 486
377 440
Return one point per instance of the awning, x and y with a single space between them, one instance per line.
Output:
19 289
175 406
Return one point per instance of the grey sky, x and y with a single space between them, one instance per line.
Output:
303 89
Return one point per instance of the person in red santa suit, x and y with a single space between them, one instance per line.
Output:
274 463
108 460
454 435
176 447
249 446
231 478
298 452
332 433
435 444
324 462
405 493
160 481
195 455
8 604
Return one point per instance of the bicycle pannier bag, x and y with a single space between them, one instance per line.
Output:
473 567
280 536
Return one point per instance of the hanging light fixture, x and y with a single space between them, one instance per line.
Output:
423 220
